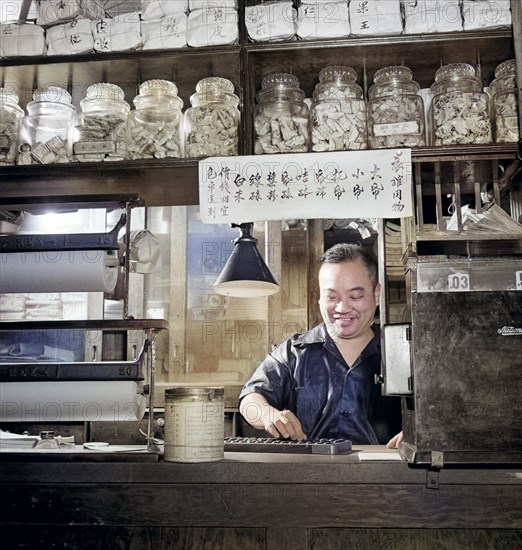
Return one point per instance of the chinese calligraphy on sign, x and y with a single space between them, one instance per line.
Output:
349 184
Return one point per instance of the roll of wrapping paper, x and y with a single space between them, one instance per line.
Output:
71 401
58 271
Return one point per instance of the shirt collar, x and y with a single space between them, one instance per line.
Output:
319 335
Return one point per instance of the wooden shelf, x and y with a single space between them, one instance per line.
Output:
184 66
486 48
95 324
157 182
175 182
465 236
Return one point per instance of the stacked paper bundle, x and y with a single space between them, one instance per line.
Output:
492 221
393 252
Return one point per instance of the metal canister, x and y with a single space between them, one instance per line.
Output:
194 424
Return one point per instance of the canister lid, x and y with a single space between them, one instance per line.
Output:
214 89
455 70
208 393
53 94
158 86
8 96
215 84
337 72
280 79
153 91
506 68
105 90
393 72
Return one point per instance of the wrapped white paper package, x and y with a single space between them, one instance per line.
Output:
156 9
213 4
425 16
74 401
167 32
12 303
57 271
486 14
20 40
115 8
56 12
271 21
212 27
375 17
120 34
315 21
70 38
145 255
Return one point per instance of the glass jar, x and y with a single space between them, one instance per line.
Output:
46 132
212 123
338 111
459 108
505 104
100 128
10 115
395 110
281 118
155 127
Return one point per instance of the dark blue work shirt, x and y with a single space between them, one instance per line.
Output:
308 375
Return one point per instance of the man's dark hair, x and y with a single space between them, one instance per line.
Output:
352 252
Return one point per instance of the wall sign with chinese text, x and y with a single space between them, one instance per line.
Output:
348 184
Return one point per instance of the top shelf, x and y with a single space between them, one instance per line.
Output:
185 66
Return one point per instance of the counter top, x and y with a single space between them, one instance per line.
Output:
366 464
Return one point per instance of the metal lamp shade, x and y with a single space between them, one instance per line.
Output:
246 274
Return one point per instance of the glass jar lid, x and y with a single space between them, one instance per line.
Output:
157 86
456 77
280 87
505 77
280 79
506 68
105 90
10 99
392 73
151 89
104 96
337 82
393 80
52 94
215 84
8 96
215 90
51 100
337 73
454 71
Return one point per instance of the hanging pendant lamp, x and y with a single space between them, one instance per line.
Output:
245 274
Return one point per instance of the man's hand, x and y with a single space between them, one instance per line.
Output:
283 424
256 410
394 441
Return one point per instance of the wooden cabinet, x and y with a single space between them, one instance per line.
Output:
175 182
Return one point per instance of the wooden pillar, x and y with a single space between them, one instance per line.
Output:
315 248
178 292
274 260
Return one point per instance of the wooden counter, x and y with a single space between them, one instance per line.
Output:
254 501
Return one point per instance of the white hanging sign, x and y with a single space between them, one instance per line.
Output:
347 184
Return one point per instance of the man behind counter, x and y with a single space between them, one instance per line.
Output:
321 384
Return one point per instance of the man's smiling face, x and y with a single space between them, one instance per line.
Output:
348 298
